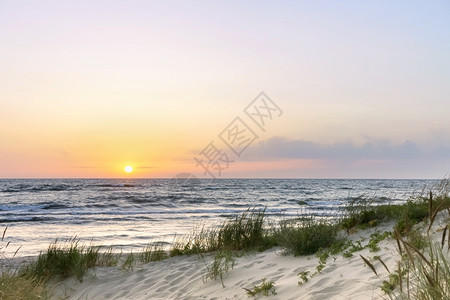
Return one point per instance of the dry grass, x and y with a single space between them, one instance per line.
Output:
421 273
14 285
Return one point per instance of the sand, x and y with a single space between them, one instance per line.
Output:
183 277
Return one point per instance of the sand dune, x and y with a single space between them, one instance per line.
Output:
183 277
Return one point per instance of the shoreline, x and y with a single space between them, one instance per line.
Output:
135 212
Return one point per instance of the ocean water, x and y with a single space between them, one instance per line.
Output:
130 213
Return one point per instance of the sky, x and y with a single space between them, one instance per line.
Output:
350 89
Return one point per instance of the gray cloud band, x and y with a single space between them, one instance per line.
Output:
282 148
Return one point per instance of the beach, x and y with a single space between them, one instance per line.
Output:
183 277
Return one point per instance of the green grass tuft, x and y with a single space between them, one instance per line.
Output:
265 288
223 262
244 232
307 236
129 262
153 252
63 261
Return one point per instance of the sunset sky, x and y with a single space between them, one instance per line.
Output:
89 87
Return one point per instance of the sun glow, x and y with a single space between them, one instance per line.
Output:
128 169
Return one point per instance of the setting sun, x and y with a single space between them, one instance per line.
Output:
128 169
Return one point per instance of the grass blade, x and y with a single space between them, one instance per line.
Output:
369 264
433 216
443 237
384 265
430 205
4 232
397 238
400 283
17 251
419 253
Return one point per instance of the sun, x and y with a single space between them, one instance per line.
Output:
128 169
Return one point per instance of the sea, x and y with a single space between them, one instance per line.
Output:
131 213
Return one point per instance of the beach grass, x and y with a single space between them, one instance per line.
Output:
109 257
426 268
222 262
362 213
433 279
129 262
244 232
153 252
13 285
423 270
63 260
266 288
306 236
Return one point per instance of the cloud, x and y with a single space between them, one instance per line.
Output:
281 148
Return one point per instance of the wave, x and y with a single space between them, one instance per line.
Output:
116 185
100 205
27 219
56 188
39 188
55 206
32 207
11 190
235 205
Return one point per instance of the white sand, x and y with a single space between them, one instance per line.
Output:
182 277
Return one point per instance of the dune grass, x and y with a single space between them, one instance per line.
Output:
64 260
15 286
244 232
423 270
427 270
153 252
306 236
433 278
222 262
362 213
108 257
266 288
